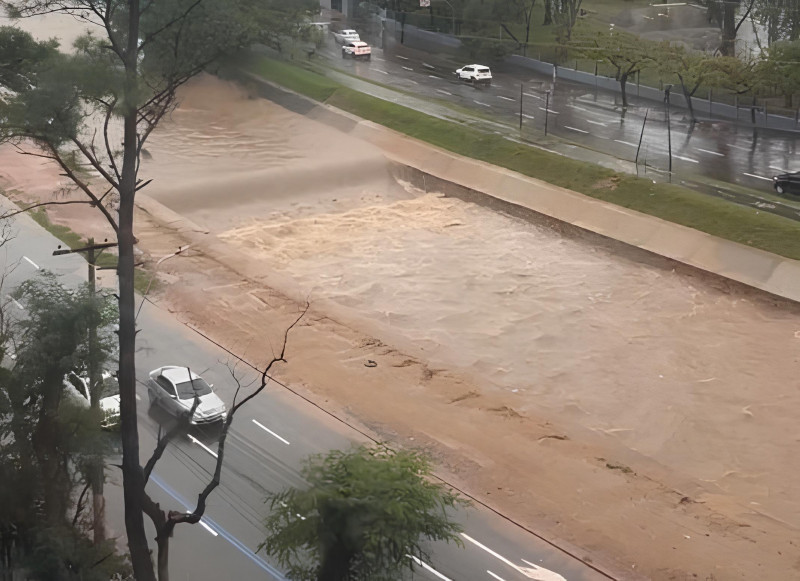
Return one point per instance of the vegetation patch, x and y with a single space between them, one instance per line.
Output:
72 240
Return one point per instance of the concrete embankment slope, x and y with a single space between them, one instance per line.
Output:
757 268
434 169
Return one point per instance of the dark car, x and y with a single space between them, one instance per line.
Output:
787 183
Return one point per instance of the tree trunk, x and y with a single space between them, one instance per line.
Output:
548 13
623 85
728 47
688 97
98 502
132 473
163 557
335 564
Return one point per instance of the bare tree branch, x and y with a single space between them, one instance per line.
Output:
13 213
174 517
83 186
81 504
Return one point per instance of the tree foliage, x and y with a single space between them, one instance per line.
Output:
71 108
780 69
625 52
362 517
48 440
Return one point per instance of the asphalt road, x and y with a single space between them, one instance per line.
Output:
592 118
266 446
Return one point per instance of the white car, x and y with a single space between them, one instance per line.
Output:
356 50
77 389
175 388
346 35
475 74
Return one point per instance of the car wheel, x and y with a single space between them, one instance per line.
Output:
779 189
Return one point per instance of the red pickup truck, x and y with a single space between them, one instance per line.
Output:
356 49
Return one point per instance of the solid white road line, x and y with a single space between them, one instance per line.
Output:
757 177
266 429
627 143
203 446
506 98
596 123
36 266
498 577
443 92
208 528
686 158
711 152
428 568
535 572
484 104
408 68
575 129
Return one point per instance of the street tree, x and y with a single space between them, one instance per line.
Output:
520 11
363 515
780 69
96 108
50 440
626 53
692 69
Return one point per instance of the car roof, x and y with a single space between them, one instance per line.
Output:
480 66
349 31
359 43
178 374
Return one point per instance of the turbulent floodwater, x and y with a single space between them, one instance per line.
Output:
699 376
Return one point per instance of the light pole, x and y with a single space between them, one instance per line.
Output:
452 17
546 110
667 89
180 250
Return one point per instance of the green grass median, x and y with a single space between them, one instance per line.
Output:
667 201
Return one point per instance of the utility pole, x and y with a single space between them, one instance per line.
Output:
97 475
667 89
546 110
641 136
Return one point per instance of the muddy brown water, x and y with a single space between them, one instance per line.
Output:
699 376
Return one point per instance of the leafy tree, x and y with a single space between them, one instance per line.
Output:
626 53
124 76
49 441
363 516
781 69
692 69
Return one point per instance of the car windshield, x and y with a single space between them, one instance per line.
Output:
188 389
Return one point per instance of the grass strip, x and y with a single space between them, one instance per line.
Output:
71 239
670 202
